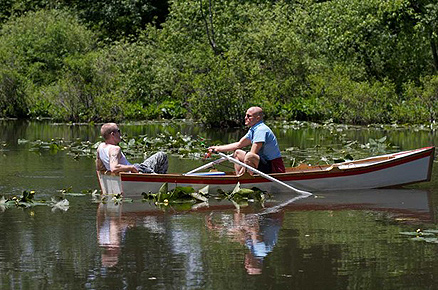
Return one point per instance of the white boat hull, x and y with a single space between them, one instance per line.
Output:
376 172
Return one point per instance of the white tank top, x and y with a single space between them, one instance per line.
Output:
104 156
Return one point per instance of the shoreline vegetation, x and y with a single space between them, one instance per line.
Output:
348 61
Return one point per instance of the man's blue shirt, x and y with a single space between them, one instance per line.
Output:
262 133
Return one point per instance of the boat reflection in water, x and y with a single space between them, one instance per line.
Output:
256 229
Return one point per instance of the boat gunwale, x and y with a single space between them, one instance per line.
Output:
392 160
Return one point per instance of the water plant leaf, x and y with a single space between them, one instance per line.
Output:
236 188
382 140
164 188
431 240
199 196
416 233
204 190
185 146
434 231
62 204
27 196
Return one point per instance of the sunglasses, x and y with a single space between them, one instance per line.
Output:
249 116
118 131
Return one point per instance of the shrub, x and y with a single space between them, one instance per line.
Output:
348 101
12 97
419 103
33 49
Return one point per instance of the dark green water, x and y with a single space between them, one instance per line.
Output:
337 240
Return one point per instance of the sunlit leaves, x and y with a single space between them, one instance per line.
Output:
179 144
336 146
177 195
27 200
189 196
428 235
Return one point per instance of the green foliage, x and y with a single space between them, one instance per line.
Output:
12 96
179 194
115 19
348 101
218 96
419 103
33 49
178 144
119 18
36 44
350 61
27 200
189 196
378 39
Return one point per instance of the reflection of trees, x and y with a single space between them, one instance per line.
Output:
259 233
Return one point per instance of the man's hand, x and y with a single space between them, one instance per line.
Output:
213 149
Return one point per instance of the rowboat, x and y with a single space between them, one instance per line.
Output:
384 171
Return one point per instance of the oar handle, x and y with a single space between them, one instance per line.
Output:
206 166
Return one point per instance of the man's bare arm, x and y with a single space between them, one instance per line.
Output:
232 146
115 166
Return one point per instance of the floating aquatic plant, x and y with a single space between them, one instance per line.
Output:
27 200
339 147
242 196
341 150
428 235
188 196
179 194
69 192
179 144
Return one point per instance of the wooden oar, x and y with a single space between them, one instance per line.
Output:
231 159
206 165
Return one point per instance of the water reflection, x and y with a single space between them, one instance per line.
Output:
258 233
399 204
254 228
338 240
111 229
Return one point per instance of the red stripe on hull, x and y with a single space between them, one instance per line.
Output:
223 180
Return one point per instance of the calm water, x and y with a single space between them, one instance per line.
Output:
336 240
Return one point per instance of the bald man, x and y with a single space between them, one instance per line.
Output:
264 154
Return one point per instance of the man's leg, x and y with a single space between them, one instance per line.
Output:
157 163
252 160
239 155
249 158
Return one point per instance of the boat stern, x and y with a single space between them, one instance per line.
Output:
109 183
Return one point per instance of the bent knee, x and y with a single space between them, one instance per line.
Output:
161 154
252 159
239 154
